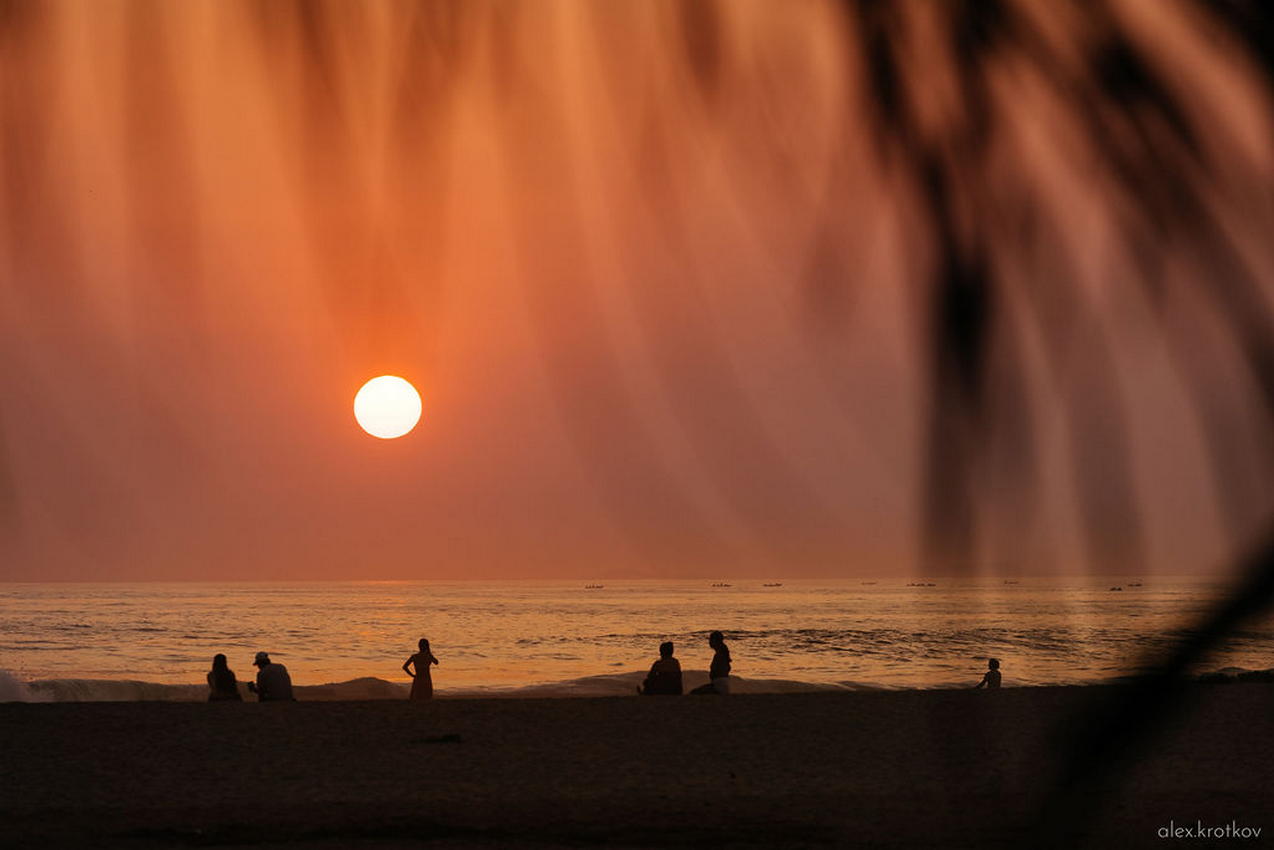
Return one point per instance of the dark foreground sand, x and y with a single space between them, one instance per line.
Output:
896 769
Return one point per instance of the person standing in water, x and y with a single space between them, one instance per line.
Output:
991 679
422 684
719 672
222 685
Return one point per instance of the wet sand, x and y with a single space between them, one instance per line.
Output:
897 769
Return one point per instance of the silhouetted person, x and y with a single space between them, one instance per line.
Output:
664 678
422 684
719 672
222 685
273 682
991 679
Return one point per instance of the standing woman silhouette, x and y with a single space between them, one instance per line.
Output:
422 685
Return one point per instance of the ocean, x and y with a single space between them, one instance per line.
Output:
533 638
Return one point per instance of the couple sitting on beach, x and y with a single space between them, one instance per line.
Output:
273 683
664 678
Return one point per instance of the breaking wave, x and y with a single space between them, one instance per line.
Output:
13 689
370 688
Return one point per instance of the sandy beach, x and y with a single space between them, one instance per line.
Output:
897 769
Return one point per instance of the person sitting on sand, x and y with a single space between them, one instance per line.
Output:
273 682
719 672
664 677
422 684
991 679
222 685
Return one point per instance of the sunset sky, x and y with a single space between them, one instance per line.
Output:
663 319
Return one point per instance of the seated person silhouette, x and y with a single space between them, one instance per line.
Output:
664 677
222 685
719 672
273 682
992 677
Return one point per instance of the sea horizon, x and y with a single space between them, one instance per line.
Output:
1191 578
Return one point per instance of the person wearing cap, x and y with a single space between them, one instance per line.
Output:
273 682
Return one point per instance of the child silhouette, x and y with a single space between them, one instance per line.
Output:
991 679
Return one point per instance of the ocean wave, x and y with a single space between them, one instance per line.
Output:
13 689
1238 674
126 690
112 690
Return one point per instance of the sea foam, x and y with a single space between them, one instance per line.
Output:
370 688
13 689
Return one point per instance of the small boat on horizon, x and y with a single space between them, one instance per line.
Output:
722 584
773 584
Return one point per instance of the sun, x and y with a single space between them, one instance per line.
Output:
387 407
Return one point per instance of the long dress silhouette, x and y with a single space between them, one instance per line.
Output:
422 684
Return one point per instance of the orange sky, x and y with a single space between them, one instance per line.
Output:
663 324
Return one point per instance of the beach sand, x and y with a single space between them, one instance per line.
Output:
897 769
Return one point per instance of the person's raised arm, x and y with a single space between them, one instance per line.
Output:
432 660
407 666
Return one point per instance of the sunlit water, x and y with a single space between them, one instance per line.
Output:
510 637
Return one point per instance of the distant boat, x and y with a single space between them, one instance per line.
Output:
868 582
594 586
722 584
1010 581
1116 588
920 584
1134 584
773 584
